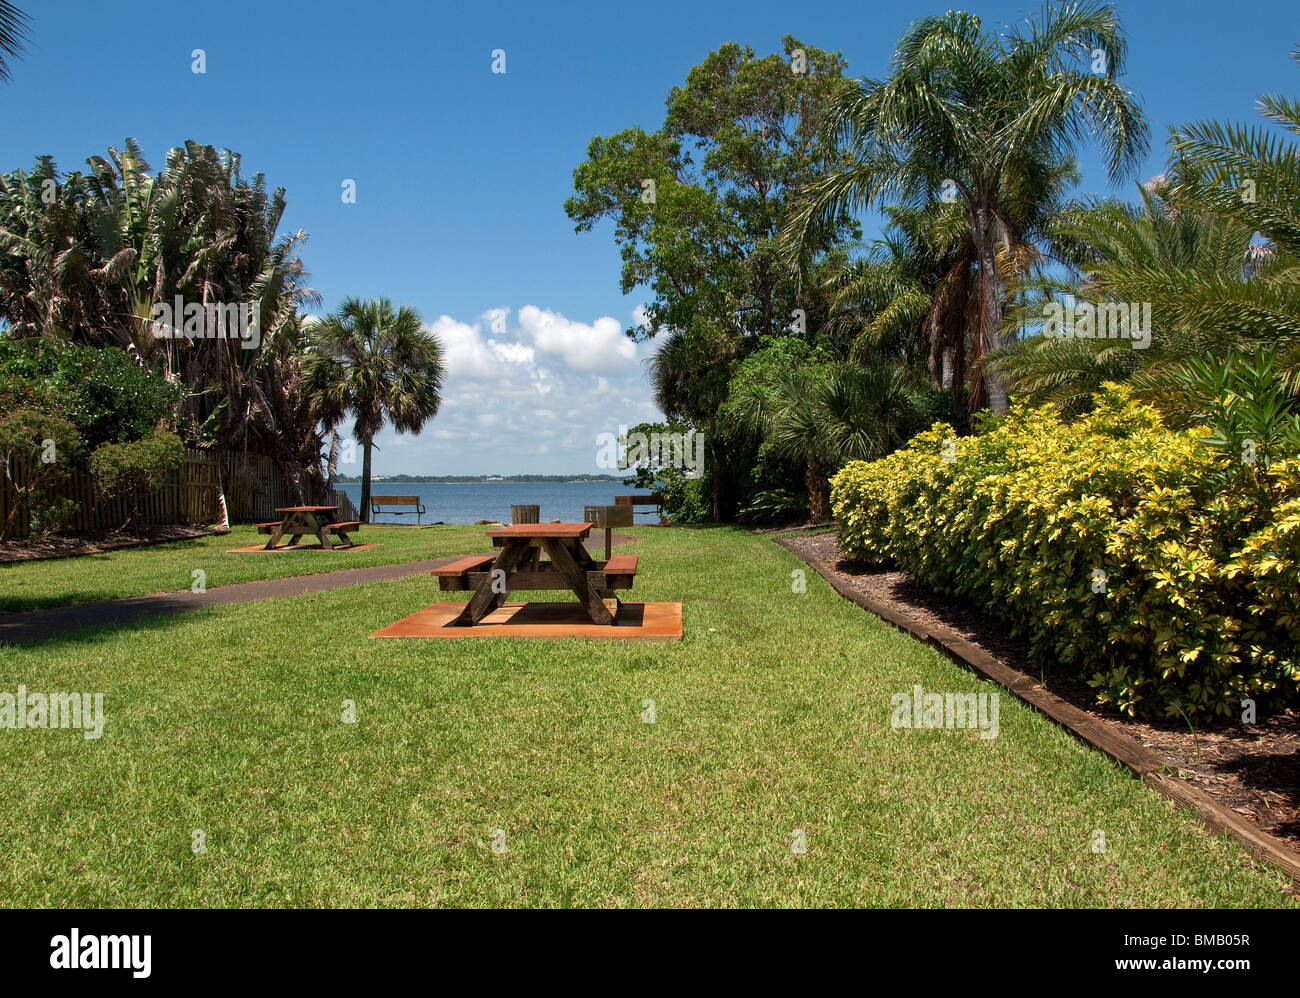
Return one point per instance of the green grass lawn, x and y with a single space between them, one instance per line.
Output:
771 715
34 585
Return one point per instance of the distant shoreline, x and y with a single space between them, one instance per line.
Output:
483 480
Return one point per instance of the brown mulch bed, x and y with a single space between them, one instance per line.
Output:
95 542
1254 770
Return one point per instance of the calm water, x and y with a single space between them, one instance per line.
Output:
492 500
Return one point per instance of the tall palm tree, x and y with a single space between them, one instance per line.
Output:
970 115
376 364
13 32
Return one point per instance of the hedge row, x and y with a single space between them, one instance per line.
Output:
1163 570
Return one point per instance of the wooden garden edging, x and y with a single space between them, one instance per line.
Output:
1152 769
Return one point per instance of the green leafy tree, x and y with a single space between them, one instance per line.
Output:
378 365
135 469
103 392
698 207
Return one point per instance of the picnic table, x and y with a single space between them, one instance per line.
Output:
299 520
519 565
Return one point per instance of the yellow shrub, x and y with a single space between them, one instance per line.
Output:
1132 552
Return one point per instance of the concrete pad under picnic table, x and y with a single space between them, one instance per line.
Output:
336 549
543 621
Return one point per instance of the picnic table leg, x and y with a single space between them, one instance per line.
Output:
563 560
276 534
323 532
484 600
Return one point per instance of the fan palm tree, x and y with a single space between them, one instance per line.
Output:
821 415
13 32
970 115
376 364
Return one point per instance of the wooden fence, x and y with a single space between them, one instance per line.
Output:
254 487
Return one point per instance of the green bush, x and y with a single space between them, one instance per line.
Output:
1113 544
45 446
687 500
132 469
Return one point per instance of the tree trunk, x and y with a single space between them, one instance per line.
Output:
716 477
958 387
364 511
819 492
937 357
990 315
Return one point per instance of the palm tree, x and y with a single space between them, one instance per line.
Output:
972 116
910 295
377 364
1213 246
13 31
1156 252
822 415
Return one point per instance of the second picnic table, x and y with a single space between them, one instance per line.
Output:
299 520
518 565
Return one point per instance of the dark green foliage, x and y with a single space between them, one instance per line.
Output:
132 469
103 392
46 446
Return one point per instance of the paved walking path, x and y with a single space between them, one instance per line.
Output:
39 625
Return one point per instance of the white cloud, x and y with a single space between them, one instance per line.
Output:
599 346
464 352
501 391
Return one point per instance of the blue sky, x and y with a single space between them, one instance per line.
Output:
461 174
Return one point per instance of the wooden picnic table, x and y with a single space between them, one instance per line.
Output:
299 520
518 565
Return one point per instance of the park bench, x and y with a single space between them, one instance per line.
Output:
651 499
455 577
376 502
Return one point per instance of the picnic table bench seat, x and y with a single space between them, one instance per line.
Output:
454 577
342 528
620 570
